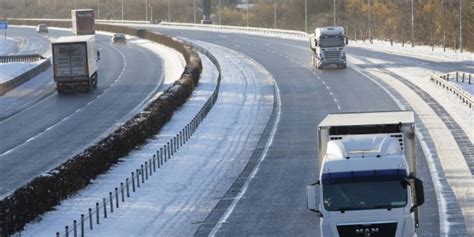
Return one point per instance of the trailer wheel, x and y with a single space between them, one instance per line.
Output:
59 88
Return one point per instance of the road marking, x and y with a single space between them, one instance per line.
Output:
232 206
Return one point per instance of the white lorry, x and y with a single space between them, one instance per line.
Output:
327 46
367 175
75 62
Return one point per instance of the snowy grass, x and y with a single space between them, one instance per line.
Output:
7 46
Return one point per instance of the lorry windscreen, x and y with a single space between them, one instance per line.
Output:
331 41
347 191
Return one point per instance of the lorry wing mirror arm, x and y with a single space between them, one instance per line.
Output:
420 194
347 40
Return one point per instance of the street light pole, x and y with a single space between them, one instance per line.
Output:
219 12
169 11
122 10
334 3
305 15
74 3
98 9
151 12
248 3
412 25
370 25
194 11
460 26
146 10
274 14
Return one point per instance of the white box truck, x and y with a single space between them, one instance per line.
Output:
327 46
367 184
75 62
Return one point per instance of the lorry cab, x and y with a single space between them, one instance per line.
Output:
327 45
366 183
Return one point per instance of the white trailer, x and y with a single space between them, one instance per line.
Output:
75 62
327 46
367 184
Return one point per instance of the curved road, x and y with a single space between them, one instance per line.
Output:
275 202
57 127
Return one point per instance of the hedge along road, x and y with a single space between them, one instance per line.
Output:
57 127
274 203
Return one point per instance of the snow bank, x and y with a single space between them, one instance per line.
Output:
11 70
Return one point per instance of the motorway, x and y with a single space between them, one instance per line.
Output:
275 203
56 127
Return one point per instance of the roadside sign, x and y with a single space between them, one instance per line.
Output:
3 24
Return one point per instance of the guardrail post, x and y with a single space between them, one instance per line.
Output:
90 218
105 208
169 151
67 231
127 187
143 175
82 225
97 212
457 75
470 78
74 227
154 163
447 77
57 234
463 77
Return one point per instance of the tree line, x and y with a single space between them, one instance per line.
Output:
435 22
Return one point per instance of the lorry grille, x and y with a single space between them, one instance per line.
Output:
333 55
373 230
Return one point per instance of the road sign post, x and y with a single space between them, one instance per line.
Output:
4 26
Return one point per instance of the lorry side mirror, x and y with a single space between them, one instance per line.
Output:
420 194
312 194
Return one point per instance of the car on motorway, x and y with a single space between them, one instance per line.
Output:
42 28
119 38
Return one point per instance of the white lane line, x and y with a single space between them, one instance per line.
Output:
73 113
269 143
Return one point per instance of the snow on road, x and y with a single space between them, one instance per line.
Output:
7 46
183 192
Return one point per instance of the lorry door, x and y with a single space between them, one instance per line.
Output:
62 61
78 53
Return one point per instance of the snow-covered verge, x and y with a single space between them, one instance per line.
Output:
7 46
436 54
9 71
185 190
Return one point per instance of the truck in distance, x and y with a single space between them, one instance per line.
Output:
83 21
75 62
327 46
367 184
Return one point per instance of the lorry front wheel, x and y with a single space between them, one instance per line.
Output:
94 81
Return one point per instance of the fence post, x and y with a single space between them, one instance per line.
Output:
97 212
121 190
116 197
133 181
149 167
90 218
105 208
172 148
146 170
128 189
138 178
82 225
111 203
74 226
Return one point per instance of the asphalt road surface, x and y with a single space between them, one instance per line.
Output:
275 202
